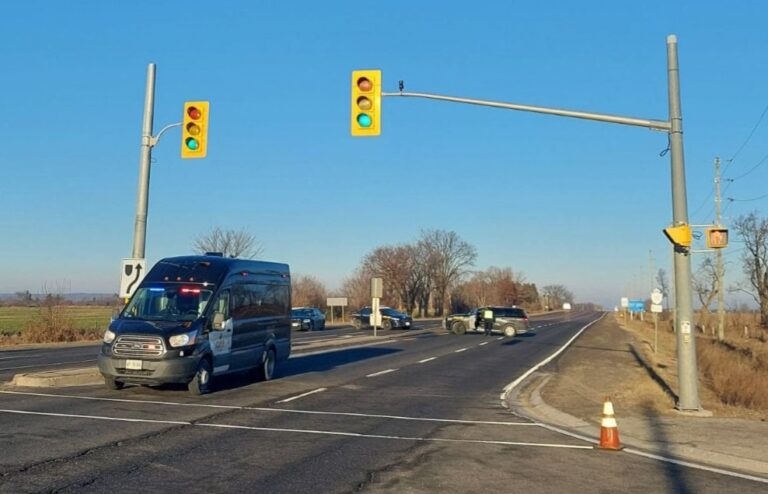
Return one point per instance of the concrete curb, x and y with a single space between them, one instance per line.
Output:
83 376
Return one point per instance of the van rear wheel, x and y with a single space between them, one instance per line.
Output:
266 371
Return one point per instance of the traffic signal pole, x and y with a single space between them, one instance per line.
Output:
688 399
142 198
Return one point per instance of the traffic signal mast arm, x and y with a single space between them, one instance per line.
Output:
153 140
602 117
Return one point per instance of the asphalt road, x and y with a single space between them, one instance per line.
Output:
40 358
418 414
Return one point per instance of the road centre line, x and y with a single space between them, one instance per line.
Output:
381 373
297 431
318 390
278 410
460 350
427 360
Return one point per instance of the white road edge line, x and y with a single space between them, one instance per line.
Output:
48 365
381 373
318 390
299 431
427 360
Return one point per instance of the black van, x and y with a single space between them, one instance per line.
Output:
196 317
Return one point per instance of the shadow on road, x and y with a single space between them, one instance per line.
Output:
676 475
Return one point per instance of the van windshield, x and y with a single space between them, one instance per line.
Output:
175 302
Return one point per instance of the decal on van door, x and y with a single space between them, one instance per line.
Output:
221 341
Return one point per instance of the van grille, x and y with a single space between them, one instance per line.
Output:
138 346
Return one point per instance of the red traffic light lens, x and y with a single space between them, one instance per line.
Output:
364 84
194 112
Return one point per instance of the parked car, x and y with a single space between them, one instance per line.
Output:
390 318
307 318
510 321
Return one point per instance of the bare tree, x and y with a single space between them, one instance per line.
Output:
449 259
556 295
308 291
398 265
754 233
231 243
705 283
662 280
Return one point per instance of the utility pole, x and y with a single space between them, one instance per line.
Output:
650 270
720 267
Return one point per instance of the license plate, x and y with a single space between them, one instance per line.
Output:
133 364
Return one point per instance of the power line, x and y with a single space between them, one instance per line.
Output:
749 137
759 163
748 200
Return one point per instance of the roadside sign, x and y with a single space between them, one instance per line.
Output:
377 288
625 302
636 305
131 274
656 296
336 302
656 308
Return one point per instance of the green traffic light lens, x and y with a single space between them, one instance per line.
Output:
192 144
364 120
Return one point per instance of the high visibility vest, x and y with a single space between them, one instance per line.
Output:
487 314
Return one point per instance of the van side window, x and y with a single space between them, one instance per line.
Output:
258 300
221 304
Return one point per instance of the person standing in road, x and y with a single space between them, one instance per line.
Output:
488 321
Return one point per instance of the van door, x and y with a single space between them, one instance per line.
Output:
220 333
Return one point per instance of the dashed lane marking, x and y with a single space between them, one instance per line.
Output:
302 395
483 343
298 431
427 360
380 373
460 350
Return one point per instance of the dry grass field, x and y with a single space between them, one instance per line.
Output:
53 323
734 372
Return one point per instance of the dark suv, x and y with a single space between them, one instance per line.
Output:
390 318
307 318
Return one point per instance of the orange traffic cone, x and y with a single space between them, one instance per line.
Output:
609 430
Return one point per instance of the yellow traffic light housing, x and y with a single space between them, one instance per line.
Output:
194 130
366 103
717 237
680 235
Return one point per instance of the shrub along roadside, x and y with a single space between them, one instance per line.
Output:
52 323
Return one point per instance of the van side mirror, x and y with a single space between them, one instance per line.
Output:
218 321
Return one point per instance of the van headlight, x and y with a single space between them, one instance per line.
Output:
109 336
183 339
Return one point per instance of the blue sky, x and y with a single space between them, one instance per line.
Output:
563 201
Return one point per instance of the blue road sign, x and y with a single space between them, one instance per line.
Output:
636 305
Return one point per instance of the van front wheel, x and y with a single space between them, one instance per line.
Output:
113 384
266 371
201 383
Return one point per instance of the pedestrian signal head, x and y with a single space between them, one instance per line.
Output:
717 238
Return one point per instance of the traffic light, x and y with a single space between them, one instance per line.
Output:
366 103
194 130
680 235
717 237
